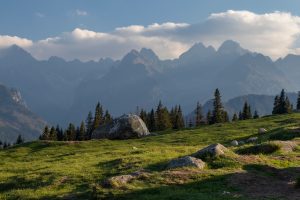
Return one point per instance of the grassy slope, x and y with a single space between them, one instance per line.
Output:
46 170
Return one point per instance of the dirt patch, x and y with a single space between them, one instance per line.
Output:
267 182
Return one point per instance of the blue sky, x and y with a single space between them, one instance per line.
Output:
92 29
37 19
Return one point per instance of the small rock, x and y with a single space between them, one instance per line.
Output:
262 130
211 151
252 139
234 143
241 142
186 161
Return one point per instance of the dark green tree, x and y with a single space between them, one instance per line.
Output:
162 118
218 111
235 117
298 101
240 115
282 104
143 115
255 116
53 134
70 134
98 119
89 126
60 133
209 118
151 122
20 140
45 134
247 114
198 115
107 117
81 132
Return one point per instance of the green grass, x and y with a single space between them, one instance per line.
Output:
76 170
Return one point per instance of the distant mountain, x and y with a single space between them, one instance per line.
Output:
48 86
61 91
16 118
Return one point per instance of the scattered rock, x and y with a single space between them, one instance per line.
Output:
234 143
121 180
211 151
241 142
262 130
186 161
125 127
252 139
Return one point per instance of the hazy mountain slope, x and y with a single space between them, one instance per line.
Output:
290 66
48 86
16 118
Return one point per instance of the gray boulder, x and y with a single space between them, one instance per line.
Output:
125 127
186 161
262 130
234 143
252 139
212 151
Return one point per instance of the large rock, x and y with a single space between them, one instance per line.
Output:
186 161
212 151
262 130
125 127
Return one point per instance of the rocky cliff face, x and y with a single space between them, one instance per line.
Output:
16 118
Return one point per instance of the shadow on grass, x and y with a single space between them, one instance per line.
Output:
256 182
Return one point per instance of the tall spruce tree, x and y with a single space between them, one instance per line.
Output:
20 139
143 115
107 117
198 114
218 111
53 134
298 102
282 104
247 111
235 117
70 134
179 119
60 133
256 115
45 134
151 122
89 126
162 118
209 117
82 132
98 119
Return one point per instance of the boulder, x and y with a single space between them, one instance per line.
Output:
186 161
234 143
212 151
252 139
262 130
125 127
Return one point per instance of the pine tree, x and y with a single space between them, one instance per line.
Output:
179 120
276 105
217 114
247 111
240 115
89 126
53 134
107 117
209 118
162 118
198 114
81 132
287 105
235 117
45 134
298 101
226 117
151 121
19 140
143 115
70 133
98 119
255 116
60 133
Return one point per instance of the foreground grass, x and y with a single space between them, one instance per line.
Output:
75 170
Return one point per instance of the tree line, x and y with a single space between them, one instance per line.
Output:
161 118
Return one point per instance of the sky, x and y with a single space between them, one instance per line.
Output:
91 29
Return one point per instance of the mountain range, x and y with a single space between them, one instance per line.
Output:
62 91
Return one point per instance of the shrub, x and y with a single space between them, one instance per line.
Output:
266 148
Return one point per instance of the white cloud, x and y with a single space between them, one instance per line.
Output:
275 34
81 12
6 41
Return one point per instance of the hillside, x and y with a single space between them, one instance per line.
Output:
16 118
76 170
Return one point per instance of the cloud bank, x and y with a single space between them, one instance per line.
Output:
274 34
